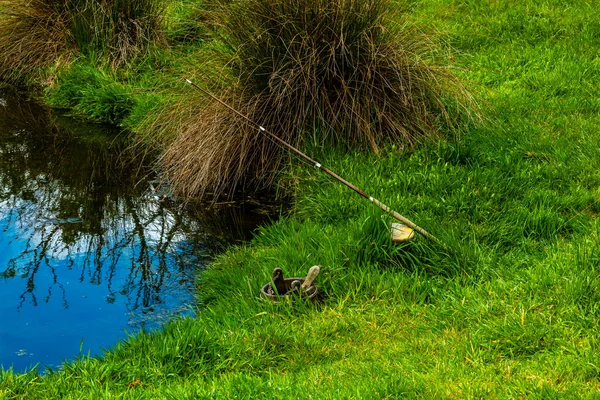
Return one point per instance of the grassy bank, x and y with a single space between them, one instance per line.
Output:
511 311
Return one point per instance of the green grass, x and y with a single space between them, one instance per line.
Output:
511 312
93 93
90 88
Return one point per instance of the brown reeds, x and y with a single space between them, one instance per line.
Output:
121 29
38 33
220 151
33 34
343 72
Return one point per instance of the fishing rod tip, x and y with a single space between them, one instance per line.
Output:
188 81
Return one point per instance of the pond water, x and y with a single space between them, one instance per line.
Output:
90 248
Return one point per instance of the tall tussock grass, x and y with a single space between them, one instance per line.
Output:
37 33
120 28
33 34
215 151
341 72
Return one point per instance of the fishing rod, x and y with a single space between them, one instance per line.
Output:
320 166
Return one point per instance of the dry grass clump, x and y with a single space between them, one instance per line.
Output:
33 34
37 33
216 150
343 72
120 28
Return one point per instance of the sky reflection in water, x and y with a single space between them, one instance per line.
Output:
86 249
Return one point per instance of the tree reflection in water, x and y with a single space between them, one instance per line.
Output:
73 203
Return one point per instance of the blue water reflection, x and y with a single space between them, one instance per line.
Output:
88 247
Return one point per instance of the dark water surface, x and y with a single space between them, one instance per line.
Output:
89 248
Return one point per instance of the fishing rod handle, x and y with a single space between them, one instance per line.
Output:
404 220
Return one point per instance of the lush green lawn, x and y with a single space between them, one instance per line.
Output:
511 311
